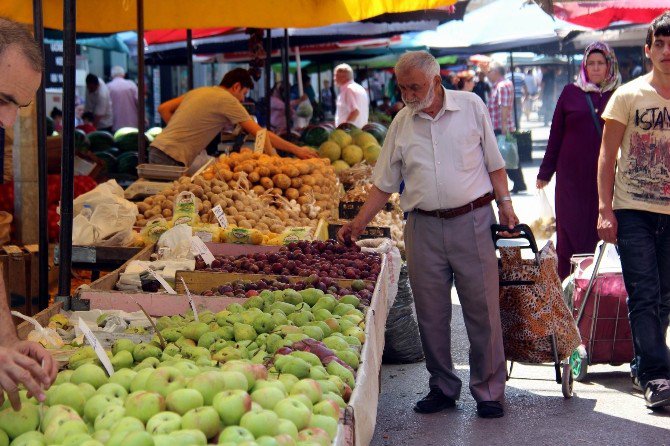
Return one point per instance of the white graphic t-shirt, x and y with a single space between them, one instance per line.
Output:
642 179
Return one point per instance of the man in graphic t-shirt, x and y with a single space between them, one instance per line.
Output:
634 206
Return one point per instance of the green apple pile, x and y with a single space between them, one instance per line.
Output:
276 370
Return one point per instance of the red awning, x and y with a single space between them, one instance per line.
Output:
177 35
601 14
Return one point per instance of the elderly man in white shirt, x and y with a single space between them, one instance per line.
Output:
443 147
353 103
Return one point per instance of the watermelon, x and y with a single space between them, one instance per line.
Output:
100 140
315 135
126 139
154 132
347 127
127 163
114 151
81 142
108 160
377 130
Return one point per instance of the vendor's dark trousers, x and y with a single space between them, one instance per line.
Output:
644 247
439 253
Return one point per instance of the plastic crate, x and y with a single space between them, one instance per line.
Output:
160 171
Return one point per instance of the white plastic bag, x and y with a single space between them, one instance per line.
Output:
111 218
84 233
544 226
175 243
111 214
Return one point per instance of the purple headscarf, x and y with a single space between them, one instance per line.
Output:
612 79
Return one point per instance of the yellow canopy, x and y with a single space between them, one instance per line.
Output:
106 16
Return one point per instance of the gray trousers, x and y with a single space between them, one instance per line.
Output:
459 249
157 156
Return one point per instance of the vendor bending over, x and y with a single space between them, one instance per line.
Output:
195 118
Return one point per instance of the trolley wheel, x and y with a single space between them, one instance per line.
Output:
567 381
578 365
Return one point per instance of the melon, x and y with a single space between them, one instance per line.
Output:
341 137
364 139
330 150
371 153
352 154
339 166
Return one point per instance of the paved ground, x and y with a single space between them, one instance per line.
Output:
605 410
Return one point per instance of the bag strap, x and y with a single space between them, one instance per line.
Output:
596 119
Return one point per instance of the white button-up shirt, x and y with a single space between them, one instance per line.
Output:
445 161
352 97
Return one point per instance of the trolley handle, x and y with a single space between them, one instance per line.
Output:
524 233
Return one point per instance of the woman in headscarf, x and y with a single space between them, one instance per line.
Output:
572 153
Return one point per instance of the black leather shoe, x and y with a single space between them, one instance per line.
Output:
435 401
490 409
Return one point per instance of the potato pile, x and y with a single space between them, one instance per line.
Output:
289 193
392 219
310 181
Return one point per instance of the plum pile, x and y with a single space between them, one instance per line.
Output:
320 258
244 288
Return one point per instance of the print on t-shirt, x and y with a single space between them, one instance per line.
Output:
648 170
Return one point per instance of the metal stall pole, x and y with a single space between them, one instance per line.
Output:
516 115
318 80
189 59
141 141
42 172
268 73
285 76
67 164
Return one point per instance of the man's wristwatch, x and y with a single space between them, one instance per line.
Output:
503 199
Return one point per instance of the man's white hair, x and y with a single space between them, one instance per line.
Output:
345 68
497 67
419 60
118 71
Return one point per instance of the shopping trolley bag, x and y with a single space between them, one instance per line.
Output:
536 323
600 308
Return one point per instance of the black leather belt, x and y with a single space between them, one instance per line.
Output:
462 210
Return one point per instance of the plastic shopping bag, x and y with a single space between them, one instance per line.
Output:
545 225
509 150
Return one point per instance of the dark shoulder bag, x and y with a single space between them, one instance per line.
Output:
596 119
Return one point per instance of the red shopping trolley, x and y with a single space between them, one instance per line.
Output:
600 310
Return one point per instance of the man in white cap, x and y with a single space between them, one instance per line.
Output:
124 99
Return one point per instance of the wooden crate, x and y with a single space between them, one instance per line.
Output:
42 317
20 265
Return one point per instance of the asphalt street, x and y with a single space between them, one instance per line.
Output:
605 409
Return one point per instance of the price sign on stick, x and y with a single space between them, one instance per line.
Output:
102 356
259 145
190 300
151 321
198 248
162 281
220 216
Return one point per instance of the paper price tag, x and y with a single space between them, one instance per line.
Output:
198 248
190 300
102 356
259 145
220 216
162 281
